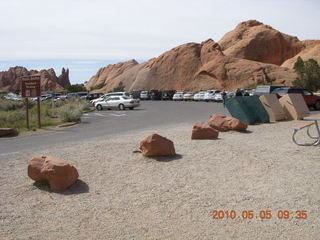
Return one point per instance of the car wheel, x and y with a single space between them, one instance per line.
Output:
99 107
121 107
131 108
317 105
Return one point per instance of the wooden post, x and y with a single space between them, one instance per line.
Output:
27 113
39 118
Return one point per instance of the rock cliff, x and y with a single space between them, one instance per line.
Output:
10 80
255 41
192 67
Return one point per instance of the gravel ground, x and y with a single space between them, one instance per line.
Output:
123 195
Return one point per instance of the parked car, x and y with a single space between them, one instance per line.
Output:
199 96
80 94
167 94
71 95
265 89
310 99
109 95
209 95
155 95
144 95
45 97
230 94
13 96
92 96
178 96
117 102
135 94
218 97
188 96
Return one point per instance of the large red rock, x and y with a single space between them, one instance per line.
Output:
192 67
225 123
312 50
203 131
10 80
156 145
249 55
256 41
57 172
104 80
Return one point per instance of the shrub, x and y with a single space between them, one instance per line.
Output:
8 105
69 114
120 88
86 106
309 74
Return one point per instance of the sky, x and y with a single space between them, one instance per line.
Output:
84 35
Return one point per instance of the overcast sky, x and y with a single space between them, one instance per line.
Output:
139 29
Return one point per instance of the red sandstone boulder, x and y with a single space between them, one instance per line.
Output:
57 172
203 131
156 145
8 132
223 123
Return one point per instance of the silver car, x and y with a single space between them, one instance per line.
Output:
188 96
117 102
199 96
178 96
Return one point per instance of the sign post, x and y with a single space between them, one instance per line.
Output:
30 88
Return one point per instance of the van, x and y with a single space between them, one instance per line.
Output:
265 89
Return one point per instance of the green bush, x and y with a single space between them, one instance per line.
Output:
309 74
8 105
70 114
86 106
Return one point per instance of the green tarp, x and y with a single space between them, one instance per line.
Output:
247 109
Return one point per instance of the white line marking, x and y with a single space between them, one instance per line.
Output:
117 115
99 114
3 154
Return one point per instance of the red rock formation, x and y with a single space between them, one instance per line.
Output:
104 77
10 80
255 41
312 50
194 66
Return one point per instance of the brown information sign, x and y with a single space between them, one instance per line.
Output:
30 86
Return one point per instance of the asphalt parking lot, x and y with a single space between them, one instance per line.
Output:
106 123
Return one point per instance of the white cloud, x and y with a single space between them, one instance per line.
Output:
141 29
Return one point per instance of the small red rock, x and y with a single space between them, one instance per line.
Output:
156 145
203 131
224 123
57 172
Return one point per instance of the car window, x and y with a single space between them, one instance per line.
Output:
307 93
125 97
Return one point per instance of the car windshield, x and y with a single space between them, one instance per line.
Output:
125 97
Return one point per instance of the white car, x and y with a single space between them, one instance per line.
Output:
199 96
218 97
188 96
94 101
209 95
178 96
117 102
144 95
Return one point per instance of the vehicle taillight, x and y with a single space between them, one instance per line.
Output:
132 101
